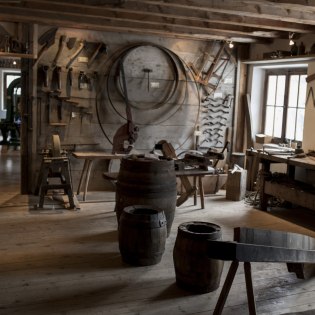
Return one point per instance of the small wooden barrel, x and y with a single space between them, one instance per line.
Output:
142 235
144 181
194 271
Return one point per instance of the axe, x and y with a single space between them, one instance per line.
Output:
46 40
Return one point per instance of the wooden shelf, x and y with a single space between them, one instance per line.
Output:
294 195
291 59
16 55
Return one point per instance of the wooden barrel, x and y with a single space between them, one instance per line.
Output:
142 235
194 271
144 181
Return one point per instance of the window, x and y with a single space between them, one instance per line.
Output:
285 104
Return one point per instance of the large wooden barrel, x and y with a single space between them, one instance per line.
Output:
194 271
142 235
144 181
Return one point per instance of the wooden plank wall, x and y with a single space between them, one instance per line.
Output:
100 109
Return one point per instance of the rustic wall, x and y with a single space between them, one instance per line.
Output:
161 106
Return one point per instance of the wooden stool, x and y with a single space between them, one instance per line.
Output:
55 167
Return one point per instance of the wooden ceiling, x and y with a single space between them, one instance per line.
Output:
230 20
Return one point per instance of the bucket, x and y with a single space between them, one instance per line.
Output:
144 181
194 271
142 235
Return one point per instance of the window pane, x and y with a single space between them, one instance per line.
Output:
269 120
278 122
293 90
290 127
280 90
302 93
271 94
299 124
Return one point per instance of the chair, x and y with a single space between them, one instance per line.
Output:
256 245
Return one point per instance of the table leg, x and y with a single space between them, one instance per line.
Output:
265 172
201 192
249 288
88 173
226 288
86 163
196 191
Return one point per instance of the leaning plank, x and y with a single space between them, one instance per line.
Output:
258 253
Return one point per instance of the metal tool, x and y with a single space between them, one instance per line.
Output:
62 43
46 40
45 71
76 54
69 82
127 132
56 80
148 71
101 48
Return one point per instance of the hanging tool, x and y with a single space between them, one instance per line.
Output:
101 48
59 109
84 81
71 42
46 40
62 43
69 82
45 71
127 132
76 53
148 72
56 80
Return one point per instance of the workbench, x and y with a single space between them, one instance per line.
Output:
89 158
192 190
293 191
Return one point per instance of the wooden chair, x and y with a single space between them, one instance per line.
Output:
255 245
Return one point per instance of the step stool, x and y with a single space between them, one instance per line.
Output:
55 167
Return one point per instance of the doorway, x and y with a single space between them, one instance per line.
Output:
10 126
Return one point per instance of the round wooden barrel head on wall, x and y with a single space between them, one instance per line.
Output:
144 181
194 271
142 235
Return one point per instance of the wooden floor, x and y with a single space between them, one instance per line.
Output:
59 261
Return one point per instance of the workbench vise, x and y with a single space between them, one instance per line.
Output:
194 159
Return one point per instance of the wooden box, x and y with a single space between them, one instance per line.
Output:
236 185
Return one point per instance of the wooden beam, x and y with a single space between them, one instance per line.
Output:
105 24
148 11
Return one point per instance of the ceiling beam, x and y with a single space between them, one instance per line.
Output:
203 14
168 27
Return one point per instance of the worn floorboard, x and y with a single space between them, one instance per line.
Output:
58 261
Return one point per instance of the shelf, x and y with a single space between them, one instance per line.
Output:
294 195
16 55
291 59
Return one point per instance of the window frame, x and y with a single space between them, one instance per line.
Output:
287 73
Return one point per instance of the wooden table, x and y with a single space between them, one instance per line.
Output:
191 190
290 191
89 158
